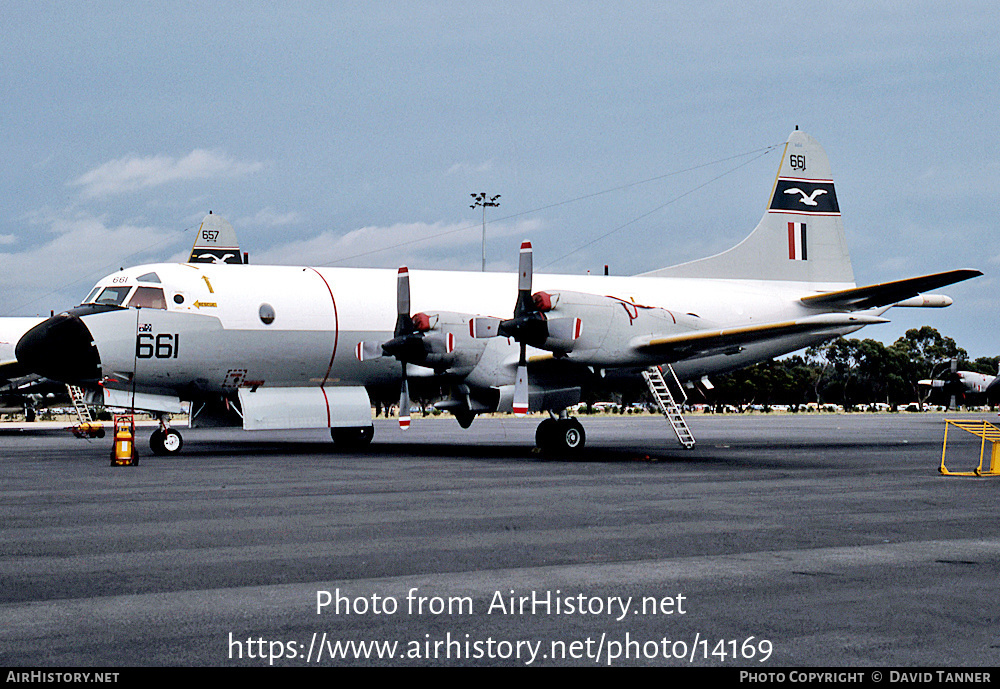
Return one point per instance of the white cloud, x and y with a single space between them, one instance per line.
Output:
438 245
57 273
268 217
7 239
470 168
132 173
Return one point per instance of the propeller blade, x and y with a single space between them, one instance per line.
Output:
440 343
524 302
482 327
567 329
404 326
521 386
404 402
366 351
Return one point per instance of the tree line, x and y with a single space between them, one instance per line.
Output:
852 373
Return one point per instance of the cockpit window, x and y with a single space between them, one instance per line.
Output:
148 298
113 296
90 297
149 277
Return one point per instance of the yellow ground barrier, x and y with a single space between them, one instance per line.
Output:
981 429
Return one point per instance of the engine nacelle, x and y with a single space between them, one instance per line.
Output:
602 330
442 341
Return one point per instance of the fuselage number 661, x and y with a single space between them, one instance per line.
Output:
162 346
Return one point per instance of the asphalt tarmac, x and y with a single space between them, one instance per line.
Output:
794 540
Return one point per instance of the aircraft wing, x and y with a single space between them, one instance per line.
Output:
704 342
883 294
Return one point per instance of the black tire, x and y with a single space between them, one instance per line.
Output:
353 438
156 442
545 434
167 442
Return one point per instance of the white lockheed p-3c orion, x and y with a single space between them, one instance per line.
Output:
287 347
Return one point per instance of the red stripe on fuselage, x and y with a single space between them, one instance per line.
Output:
336 338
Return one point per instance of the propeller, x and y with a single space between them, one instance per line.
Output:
406 344
410 343
529 326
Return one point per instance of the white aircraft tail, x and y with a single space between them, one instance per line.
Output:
216 242
800 237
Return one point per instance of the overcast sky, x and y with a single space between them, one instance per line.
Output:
334 133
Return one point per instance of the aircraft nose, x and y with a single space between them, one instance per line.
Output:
60 348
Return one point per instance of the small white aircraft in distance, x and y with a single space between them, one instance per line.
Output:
286 347
965 383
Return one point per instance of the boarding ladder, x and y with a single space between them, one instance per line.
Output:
668 403
80 404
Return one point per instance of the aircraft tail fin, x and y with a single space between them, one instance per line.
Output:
800 237
215 242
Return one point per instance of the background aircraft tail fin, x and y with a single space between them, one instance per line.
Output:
800 237
215 242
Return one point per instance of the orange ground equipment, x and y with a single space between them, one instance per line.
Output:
123 453
987 433
88 429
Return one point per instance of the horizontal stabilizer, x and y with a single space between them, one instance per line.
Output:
872 296
704 342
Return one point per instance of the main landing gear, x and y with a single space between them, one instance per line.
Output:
562 435
352 438
165 440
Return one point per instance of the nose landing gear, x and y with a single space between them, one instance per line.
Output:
165 440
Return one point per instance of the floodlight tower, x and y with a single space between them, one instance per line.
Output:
482 200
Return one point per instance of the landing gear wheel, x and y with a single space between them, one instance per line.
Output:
465 419
172 442
353 438
165 442
570 436
560 436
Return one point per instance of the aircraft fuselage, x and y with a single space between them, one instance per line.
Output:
221 327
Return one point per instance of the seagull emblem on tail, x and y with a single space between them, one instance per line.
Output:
809 200
216 259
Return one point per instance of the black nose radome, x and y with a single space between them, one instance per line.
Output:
60 348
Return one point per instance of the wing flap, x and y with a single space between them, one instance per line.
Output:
701 342
883 294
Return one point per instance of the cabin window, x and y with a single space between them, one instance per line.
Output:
148 298
113 296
